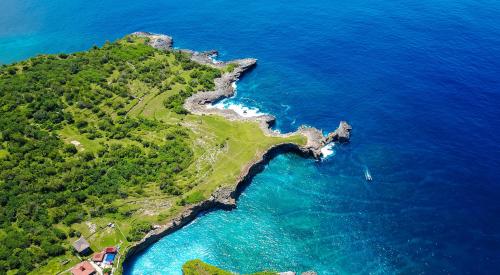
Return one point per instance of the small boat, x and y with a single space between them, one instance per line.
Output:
368 176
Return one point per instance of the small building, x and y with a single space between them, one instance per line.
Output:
81 246
83 268
110 250
98 257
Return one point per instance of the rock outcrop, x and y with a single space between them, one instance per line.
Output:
158 41
199 102
342 134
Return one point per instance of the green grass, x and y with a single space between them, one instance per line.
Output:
58 264
71 134
235 144
195 197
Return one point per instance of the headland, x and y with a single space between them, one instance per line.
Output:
202 104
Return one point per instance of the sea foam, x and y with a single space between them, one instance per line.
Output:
327 150
239 108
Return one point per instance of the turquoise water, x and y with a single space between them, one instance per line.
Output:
418 80
282 223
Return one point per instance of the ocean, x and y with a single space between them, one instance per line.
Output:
418 80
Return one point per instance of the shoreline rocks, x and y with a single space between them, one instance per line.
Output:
200 103
158 41
342 134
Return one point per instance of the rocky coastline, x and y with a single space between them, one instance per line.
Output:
201 104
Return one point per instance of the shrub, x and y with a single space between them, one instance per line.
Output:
70 149
138 230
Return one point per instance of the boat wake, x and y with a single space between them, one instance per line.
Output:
368 175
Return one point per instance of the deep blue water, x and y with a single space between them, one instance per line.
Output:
419 80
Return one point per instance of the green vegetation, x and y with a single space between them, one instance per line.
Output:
139 228
197 267
101 136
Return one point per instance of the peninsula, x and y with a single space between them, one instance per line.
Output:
115 147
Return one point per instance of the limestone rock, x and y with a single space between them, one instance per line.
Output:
224 197
342 134
158 41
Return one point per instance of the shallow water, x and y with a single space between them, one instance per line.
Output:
418 80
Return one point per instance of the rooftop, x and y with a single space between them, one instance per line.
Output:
83 268
81 245
110 249
98 257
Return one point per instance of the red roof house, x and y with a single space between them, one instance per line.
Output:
98 257
83 268
110 250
